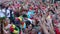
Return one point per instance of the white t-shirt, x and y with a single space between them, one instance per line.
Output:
7 13
1 14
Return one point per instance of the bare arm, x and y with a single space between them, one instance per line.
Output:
44 28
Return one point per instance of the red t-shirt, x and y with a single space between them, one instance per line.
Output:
57 31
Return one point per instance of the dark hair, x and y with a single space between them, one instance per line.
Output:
24 15
6 7
2 5
28 23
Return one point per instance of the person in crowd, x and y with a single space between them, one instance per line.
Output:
32 17
7 26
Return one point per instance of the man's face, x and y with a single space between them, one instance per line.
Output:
34 23
7 20
34 31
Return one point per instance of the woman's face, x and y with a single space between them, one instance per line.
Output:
29 27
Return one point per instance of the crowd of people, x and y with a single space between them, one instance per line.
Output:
30 17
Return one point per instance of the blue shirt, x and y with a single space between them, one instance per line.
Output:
31 12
